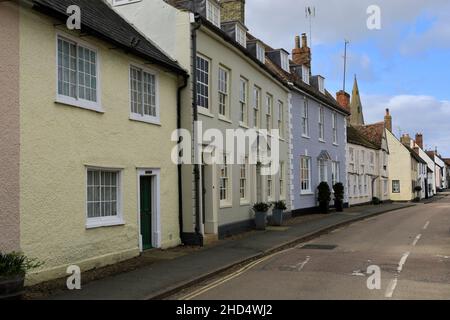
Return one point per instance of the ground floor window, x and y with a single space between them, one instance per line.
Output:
243 186
282 174
323 175
224 189
103 194
335 173
305 174
395 186
270 184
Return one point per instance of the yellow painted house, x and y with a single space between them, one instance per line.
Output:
88 140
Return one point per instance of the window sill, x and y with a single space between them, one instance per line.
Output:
205 112
225 119
149 120
226 206
245 203
335 144
306 137
82 104
306 193
243 125
103 223
322 141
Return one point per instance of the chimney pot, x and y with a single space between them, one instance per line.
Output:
301 55
297 42
304 40
419 140
388 120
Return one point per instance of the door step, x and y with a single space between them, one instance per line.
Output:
209 239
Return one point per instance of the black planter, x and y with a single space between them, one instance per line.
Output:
277 217
339 205
324 207
11 288
261 220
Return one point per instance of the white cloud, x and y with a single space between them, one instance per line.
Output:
413 114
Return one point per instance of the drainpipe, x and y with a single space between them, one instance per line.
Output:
195 27
180 179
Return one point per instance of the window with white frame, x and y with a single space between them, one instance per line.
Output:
321 84
395 186
213 13
366 184
256 106
305 118
305 74
335 130
203 82
284 61
335 174
241 36
281 118
243 97
260 52
323 174
321 123
282 174
305 174
103 197
243 186
223 92
351 156
362 162
355 186
385 187
225 183
361 185
270 184
77 74
269 112
372 161
349 185
143 94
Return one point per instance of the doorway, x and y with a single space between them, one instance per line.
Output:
146 211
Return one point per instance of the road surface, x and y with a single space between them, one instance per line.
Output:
410 248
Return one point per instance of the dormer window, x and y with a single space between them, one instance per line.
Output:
213 13
305 74
241 36
260 52
321 84
284 61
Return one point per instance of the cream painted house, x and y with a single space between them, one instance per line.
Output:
231 88
95 110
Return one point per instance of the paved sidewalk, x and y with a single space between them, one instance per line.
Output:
157 280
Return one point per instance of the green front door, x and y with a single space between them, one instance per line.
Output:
146 212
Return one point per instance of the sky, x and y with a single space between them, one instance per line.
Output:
403 66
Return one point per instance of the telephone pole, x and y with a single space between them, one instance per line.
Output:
345 61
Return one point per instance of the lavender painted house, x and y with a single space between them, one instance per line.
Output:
318 133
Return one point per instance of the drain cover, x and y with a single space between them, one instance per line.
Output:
319 247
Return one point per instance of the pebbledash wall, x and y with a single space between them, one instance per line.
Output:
58 142
9 128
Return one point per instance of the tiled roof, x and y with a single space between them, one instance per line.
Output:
354 136
100 20
447 161
415 155
431 154
373 132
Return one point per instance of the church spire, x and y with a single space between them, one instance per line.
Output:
357 116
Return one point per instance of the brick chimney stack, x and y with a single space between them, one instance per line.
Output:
419 140
301 55
388 120
232 10
343 98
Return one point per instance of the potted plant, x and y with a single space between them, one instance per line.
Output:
324 197
278 212
13 268
376 201
261 215
339 197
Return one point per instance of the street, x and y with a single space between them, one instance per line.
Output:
411 247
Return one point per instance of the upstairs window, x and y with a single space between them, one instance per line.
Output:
243 97
269 111
77 75
321 85
143 95
335 131
241 36
305 116
202 82
213 13
223 92
260 52
284 61
305 74
281 118
256 106
321 123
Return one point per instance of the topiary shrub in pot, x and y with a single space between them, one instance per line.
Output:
376 201
13 268
339 197
278 212
324 197
261 215
418 190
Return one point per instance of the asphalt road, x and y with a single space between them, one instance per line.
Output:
410 248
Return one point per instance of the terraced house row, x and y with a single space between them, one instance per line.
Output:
89 120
